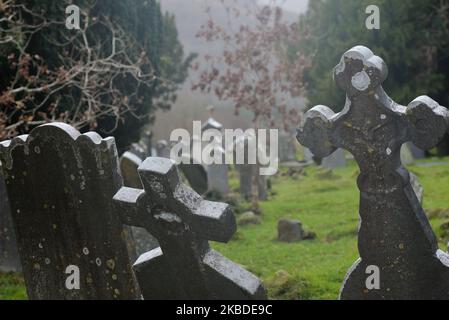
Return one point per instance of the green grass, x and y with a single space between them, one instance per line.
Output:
12 287
326 205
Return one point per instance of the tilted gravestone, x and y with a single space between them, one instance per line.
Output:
184 267
61 184
9 256
190 166
399 254
196 175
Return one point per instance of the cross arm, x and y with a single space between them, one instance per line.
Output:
427 122
128 203
315 133
210 220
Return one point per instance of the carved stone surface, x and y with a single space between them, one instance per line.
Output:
395 235
61 185
184 267
9 256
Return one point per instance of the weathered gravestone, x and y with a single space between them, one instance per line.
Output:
246 175
249 170
293 231
395 237
184 267
196 174
191 166
9 257
217 173
60 185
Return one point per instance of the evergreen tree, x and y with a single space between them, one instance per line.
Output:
411 40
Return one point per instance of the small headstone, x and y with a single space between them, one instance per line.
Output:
335 160
248 218
129 162
184 267
293 231
9 256
399 254
60 185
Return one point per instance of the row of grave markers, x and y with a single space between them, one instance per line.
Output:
70 207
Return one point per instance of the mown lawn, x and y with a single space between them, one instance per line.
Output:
327 205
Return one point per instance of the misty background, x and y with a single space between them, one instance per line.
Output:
192 105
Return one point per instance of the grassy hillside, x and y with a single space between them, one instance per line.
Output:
326 204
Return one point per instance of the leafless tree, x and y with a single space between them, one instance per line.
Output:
82 86
256 70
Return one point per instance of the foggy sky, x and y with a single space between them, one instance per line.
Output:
297 6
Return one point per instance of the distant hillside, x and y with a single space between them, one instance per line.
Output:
190 15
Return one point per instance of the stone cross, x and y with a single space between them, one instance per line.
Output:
9 256
184 267
60 185
399 254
